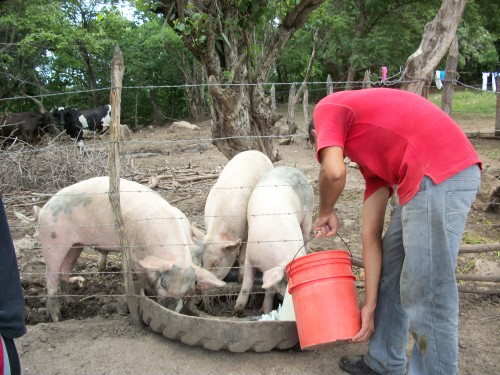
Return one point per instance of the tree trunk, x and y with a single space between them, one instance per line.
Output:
157 115
436 39
241 120
351 70
90 71
196 93
449 76
241 115
195 77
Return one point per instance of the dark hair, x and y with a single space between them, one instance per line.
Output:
309 131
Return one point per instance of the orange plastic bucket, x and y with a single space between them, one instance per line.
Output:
324 298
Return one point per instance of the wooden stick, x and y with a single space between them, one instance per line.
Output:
479 248
198 178
117 70
481 278
469 289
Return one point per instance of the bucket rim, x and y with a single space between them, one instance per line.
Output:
318 255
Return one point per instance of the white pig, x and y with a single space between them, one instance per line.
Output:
226 212
158 233
279 221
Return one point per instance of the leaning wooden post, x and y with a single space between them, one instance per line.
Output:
117 70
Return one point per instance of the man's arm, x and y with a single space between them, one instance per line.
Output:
373 223
332 177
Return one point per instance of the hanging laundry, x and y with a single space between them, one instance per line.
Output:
439 84
485 81
384 73
494 81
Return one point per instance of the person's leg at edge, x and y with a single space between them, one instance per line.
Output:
11 364
433 224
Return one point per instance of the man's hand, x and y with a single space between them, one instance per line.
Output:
367 325
326 226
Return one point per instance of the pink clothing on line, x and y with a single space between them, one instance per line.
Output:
384 73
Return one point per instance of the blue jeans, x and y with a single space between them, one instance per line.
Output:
418 291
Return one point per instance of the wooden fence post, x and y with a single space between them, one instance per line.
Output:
273 99
292 100
305 104
497 118
366 80
329 85
117 70
449 77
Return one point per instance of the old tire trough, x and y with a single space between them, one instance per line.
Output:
215 333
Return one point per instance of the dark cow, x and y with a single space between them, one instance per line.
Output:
29 127
75 121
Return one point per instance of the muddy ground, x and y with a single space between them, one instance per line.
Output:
97 335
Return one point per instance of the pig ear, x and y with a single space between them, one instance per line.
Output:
272 277
152 263
232 245
206 277
196 233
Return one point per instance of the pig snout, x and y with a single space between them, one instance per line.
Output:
173 283
220 257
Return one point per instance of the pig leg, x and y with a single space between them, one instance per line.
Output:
267 306
66 267
246 288
53 277
101 263
306 226
241 262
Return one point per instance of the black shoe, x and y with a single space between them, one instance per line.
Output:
355 365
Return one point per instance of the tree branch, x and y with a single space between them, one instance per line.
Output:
292 21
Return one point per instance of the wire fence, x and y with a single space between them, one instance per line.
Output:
31 175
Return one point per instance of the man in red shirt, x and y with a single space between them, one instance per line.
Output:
400 141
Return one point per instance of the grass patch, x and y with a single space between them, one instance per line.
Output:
474 239
470 101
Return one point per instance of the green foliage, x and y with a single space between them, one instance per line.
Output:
46 43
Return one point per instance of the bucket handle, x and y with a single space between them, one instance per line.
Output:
313 237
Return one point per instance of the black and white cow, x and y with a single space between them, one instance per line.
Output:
28 127
75 121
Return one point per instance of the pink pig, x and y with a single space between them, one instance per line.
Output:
158 233
279 221
226 211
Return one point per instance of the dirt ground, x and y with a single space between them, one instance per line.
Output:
97 335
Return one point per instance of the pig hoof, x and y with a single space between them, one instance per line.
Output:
236 313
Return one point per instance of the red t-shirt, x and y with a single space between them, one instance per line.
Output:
395 136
